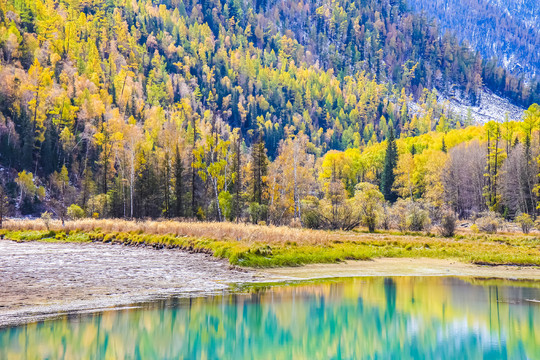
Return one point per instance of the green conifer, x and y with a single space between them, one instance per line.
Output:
390 162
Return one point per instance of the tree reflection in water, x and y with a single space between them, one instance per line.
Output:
400 317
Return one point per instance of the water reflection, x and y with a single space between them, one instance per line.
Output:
401 317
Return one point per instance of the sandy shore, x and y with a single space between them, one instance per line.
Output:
404 267
39 280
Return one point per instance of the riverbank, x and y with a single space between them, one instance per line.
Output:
268 246
40 279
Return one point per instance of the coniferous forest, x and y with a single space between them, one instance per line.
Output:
325 114
506 32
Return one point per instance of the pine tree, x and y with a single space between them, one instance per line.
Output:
61 183
494 162
193 171
146 185
443 146
237 185
116 194
259 169
167 176
390 162
179 183
88 186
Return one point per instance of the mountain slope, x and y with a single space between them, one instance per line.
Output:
506 30
113 97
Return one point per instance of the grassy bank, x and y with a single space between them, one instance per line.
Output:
267 246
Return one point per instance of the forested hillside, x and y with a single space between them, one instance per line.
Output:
508 31
234 109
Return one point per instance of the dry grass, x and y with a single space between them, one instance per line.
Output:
215 230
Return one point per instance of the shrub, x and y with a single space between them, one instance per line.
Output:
226 204
311 218
201 216
369 200
474 228
399 214
410 215
489 222
295 223
340 215
525 221
46 217
336 210
447 227
257 212
75 212
418 219
99 204
385 216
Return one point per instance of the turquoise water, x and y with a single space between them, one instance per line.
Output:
377 318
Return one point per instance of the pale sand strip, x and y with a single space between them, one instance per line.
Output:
403 267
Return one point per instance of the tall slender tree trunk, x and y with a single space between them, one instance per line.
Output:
193 175
489 169
238 180
496 168
179 184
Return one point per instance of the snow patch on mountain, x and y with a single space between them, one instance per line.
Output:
490 107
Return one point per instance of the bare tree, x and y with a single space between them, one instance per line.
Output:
291 179
517 183
464 178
